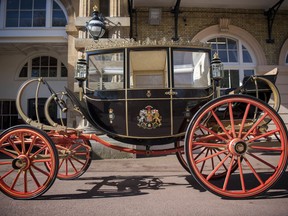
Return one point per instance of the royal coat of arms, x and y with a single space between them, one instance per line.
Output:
149 118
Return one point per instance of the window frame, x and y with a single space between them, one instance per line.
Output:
240 65
48 18
29 60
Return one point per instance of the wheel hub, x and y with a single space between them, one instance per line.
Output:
237 146
21 162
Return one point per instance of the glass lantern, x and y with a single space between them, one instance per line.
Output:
216 67
96 25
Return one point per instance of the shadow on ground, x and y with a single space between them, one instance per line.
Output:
122 186
116 186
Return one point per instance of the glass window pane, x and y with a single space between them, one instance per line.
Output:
232 44
106 71
233 57
53 61
44 72
56 6
234 76
24 72
39 18
6 107
221 43
191 69
246 55
44 60
26 4
223 56
59 19
53 72
64 72
6 121
35 72
12 18
224 83
248 72
40 4
36 61
12 4
13 108
26 18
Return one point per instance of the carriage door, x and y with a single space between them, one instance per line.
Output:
191 84
149 107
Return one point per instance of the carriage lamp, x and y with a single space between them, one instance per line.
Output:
96 25
217 73
81 74
216 67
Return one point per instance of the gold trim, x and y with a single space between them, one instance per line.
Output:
131 43
159 137
148 99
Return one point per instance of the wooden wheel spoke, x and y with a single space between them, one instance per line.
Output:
25 181
4 151
253 171
241 175
34 177
22 139
244 119
78 160
38 151
5 163
263 148
203 164
31 145
220 124
232 120
73 165
16 179
212 132
200 153
228 174
40 170
261 160
6 174
14 146
215 145
217 168
61 163
263 135
210 156
255 125
44 160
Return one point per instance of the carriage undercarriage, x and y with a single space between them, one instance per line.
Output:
221 143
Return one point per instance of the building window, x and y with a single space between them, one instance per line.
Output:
34 13
43 66
58 17
286 61
8 114
237 59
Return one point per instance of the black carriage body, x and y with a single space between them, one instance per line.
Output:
147 95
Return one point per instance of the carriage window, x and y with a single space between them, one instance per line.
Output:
191 69
106 71
148 69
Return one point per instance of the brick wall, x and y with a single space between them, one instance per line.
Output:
252 21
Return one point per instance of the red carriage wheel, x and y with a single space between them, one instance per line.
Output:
182 160
237 129
74 158
22 162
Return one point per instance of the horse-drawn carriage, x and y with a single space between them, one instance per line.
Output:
147 95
